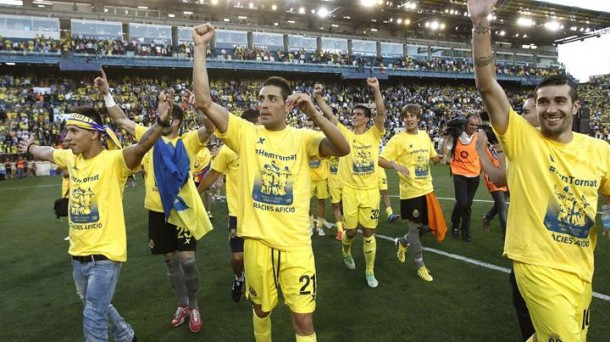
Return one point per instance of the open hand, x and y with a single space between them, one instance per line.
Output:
480 9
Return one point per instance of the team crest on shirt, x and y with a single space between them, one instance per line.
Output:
84 212
554 338
363 163
252 292
415 213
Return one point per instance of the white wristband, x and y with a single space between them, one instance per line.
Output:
109 100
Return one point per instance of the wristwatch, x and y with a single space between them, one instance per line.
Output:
163 124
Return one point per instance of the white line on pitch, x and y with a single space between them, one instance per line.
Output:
471 261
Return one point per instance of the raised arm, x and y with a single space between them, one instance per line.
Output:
373 82
219 116
116 113
318 90
134 153
37 152
492 93
496 175
335 143
205 131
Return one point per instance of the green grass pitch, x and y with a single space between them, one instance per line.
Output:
465 302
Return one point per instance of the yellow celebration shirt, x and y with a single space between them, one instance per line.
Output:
319 169
95 211
152 201
274 182
414 152
227 162
358 169
554 192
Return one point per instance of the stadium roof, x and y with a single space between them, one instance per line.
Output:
521 22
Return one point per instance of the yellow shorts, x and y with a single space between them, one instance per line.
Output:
383 178
319 189
268 270
335 187
558 302
360 206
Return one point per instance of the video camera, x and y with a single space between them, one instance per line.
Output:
456 125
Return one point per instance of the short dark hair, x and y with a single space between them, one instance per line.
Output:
251 115
559 80
530 95
412 108
89 112
281 83
476 115
367 110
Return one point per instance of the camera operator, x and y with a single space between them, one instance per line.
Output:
465 169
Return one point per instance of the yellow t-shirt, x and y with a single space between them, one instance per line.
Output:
95 212
358 169
227 162
554 192
319 169
201 160
333 170
274 182
152 201
413 151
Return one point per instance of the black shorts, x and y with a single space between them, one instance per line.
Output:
414 209
236 243
164 237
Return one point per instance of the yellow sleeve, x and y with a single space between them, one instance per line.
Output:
60 158
514 140
389 153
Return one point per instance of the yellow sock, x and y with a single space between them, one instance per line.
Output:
346 244
262 328
389 211
310 338
369 247
320 222
339 226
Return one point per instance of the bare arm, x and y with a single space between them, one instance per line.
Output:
335 143
37 152
393 165
496 175
116 113
208 180
492 93
133 154
324 107
373 82
218 115
206 131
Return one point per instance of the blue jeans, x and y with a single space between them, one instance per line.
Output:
95 284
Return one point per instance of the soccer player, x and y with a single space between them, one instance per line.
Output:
176 216
227 162
465 170
335 184
551 233
98 242
410 153
319 187
201 166
275 183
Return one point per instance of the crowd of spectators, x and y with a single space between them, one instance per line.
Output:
160 48
34 104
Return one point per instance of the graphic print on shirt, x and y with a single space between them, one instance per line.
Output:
83 203
274 184
363 163
567 212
